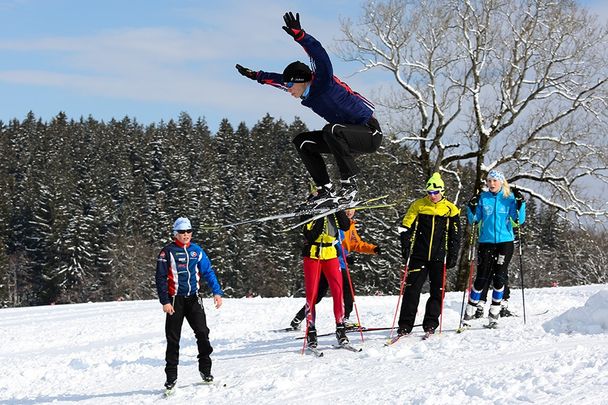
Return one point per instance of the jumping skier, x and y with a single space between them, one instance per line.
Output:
351 129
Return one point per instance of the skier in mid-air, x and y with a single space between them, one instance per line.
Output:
352 128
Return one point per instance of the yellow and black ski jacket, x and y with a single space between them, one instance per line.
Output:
432 222
322 236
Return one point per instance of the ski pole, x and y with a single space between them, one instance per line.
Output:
471 265
401 288
445 258
350 285
521 271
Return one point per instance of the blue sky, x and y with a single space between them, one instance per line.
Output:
152 59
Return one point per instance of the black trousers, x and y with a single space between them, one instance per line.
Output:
342 141
324 287
493 265
192 310
417 273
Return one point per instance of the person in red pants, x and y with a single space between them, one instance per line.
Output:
321 257
351 242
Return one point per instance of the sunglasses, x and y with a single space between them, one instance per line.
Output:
289 85
183 231
432 192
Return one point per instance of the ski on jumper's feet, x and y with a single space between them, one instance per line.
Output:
361 204
169 391
349 347
315 351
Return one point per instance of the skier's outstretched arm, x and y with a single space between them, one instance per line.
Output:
272 79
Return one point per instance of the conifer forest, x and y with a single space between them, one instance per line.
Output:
86 205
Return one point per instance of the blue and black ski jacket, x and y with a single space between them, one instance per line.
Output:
328 96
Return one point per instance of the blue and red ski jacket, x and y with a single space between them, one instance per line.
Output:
328 96
179 269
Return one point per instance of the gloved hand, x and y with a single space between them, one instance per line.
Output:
247 72
377 250
405 244
519 198
350 260
473 202
292 25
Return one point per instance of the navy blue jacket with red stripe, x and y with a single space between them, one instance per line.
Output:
179 269
329 97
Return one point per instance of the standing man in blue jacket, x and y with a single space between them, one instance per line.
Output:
495 210
352 128
179 268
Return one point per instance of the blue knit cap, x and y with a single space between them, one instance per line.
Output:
496 175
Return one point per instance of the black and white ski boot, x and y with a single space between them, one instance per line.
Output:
479 310
493 316
170 385
347 191
296 323
207 378
341 334
469 312
504 309
311 338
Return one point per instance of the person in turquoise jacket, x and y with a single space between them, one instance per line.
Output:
495 211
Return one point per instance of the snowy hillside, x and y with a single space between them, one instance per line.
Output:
112 353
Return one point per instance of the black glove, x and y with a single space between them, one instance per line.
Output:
377 250
405 244
350 260
292 25
451 261
473 202
519 198
247 72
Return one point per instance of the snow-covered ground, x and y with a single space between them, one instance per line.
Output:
112 353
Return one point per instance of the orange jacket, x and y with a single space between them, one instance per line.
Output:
352 241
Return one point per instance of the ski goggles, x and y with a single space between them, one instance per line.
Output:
433 192
183 231
289 85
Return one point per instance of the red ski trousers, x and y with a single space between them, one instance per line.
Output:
331 271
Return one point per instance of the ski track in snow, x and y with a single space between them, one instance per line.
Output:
113 353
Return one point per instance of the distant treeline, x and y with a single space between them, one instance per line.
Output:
86 205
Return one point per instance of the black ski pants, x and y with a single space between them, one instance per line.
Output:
416 276
493 266
322 291
191 309
342 141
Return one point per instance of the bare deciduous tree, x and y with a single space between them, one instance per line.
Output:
519 86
